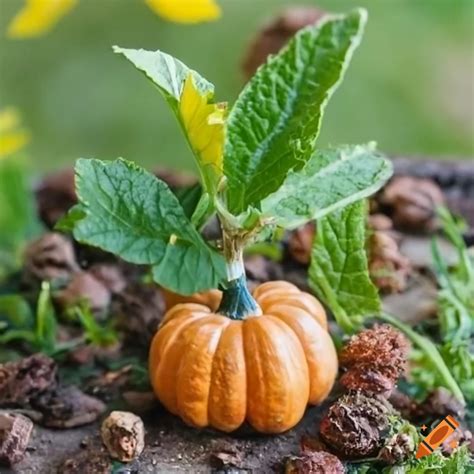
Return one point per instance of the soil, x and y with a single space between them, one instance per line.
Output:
171 446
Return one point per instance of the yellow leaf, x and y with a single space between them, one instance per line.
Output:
38 17
186 11
203 122
11 140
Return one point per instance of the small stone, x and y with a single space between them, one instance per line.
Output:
51 257
123 434
413 202
15 431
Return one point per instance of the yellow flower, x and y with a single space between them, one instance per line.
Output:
186 11
12 138
203 122
37 17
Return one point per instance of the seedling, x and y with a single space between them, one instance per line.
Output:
257 161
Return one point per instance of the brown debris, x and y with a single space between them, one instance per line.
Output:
226 455
316 462
139 309
438 404
23 380
67 407
300 243
84 287
276 34
374 359
354 425
397 449
412 202
123 434
55 196
51 257
15 431
459 437
388 268
91 461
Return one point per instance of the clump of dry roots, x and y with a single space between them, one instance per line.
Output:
374 360
357 425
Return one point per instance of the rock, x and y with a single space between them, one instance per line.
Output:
68 407
51 257
123 434
412 203
23 380
84 287
417 249
15 431
91 461
416 304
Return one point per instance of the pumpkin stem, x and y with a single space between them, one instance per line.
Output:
237 302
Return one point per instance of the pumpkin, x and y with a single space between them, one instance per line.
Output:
260 360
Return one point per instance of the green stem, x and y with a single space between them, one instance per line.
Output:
429 350
237 302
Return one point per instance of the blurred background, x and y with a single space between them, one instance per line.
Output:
410 86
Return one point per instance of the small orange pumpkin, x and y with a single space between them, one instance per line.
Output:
259 363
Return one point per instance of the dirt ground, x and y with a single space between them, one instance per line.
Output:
171 446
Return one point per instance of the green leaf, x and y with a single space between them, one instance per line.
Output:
273 126
165 71
18 218
190 96
330 180
46 324
339 271
15 312
131 213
